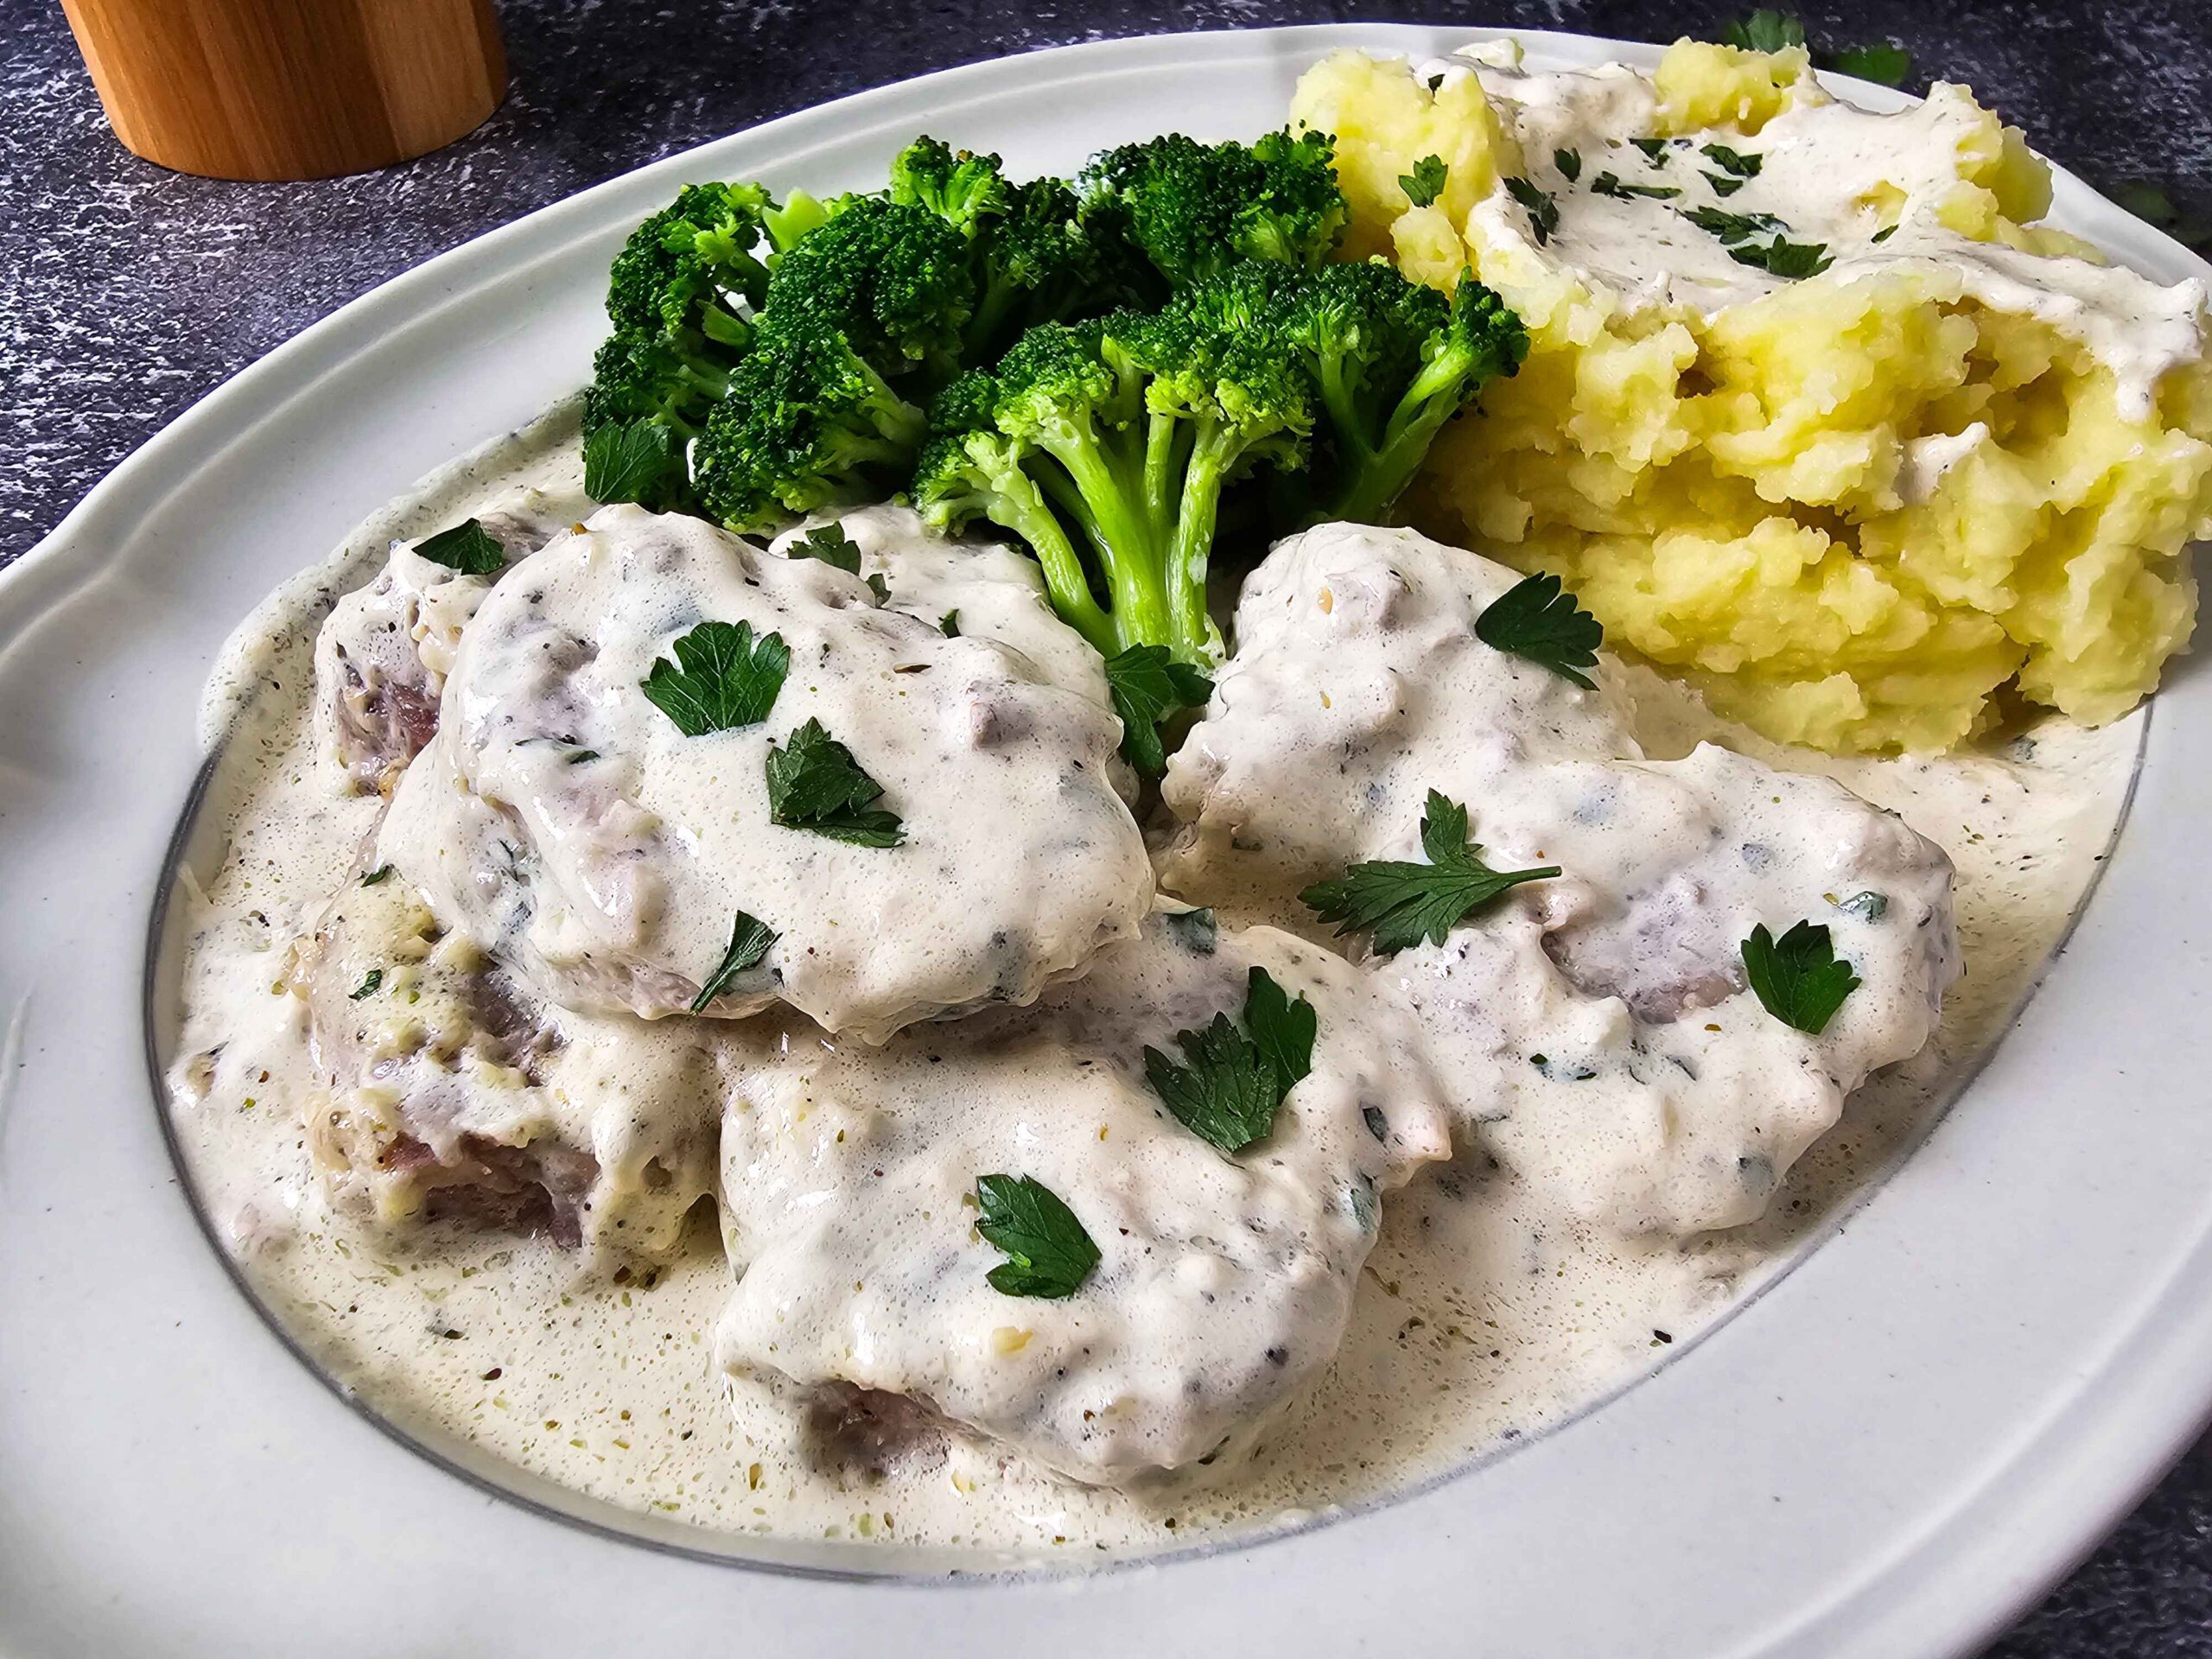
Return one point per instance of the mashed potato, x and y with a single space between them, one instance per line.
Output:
1849 504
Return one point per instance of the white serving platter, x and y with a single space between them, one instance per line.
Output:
1886 1455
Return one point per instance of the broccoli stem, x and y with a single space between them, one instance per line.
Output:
1108 501
1214 450
1374 483
1163 459
1018 502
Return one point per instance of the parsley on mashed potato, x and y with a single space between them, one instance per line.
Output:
1814 413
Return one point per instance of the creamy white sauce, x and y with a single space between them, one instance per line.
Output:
1596 1026
563 818
1486 1309
1828 174
1224 1282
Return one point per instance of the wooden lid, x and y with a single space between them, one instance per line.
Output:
290 89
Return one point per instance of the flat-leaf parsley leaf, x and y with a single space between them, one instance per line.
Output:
749 940
1535 621
1784 258
1734 161
1426 182
1403 903
722 677
814 783
636 461
1733 228
1608 184
1231 1082
1147 685
1798 978
828 543
467 547
1048 1252
1543 212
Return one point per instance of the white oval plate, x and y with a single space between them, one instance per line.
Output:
1886 1456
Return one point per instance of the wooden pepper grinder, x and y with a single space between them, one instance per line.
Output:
290 89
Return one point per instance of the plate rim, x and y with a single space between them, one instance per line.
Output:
2178 1401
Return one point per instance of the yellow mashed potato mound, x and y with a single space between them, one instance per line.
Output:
1722 490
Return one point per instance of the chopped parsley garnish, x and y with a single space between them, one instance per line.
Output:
1764 31
749 939
1886 64
1605 184
1655 149
467 547
1733 228
1733 161
949 624
1231 1082
1569 163
1741 232
1885 233
1722 185
1048 1253
1402 903
1426 182
368 986
1798 978
722 677
880 588
1783 259
828 543
628 462
1147 686
1543 212
1536 620
814 783
376 877
577 757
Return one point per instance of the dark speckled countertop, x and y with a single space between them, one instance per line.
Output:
127 292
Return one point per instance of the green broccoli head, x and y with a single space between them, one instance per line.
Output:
893 278
1195 209
1035 258
1106 445
965 190
807 423
675 378
1391 361
686 266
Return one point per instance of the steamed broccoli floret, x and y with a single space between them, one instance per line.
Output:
1195 209
807 423
683 267
682 294
1106 445
893 278
965 190
674 378
1035 258
1391 361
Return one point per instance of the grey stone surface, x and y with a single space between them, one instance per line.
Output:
126 293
